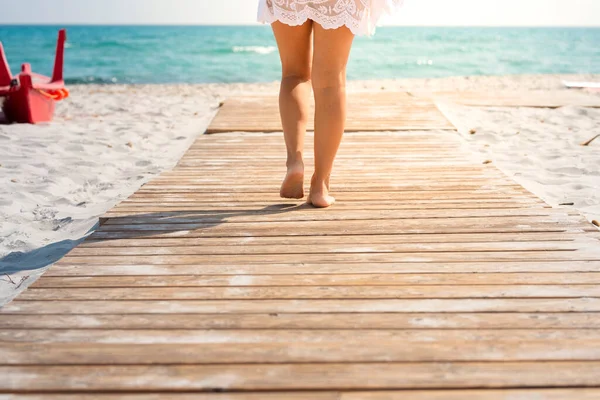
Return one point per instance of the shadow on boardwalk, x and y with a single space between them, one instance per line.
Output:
178 221
32 264
151 224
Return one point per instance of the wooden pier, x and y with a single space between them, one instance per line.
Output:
435 276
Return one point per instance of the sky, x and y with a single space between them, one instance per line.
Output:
234 12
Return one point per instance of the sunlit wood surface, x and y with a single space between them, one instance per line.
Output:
385 111
433 277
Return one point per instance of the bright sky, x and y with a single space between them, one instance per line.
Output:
415 12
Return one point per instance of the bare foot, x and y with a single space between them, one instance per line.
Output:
319 194
293 184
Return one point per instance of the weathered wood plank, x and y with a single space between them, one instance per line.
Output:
507 394
225 259
179 396
306 214
504 394
301 376
250 248
315 292
303 306
551 223
127 208
273 204
534 237
70 268
296 280
314 321
192 196
166 241
349 337
355 351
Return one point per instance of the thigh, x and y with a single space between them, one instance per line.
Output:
295 48
331 53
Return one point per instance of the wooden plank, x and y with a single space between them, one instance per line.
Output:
469 375
344 336
226 259
204 233
203 188
314 321
195 197
342 247
316 292
344 165
126 208
535 237
68 267
508 394
505 394
358 351
179 396
303 306
279 216
363 180
298 280
390 226
279 204
306 214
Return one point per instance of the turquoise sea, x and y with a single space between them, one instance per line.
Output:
197 54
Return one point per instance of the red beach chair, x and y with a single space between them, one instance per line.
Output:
30 97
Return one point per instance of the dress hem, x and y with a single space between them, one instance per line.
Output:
265 16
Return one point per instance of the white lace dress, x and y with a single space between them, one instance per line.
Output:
360 16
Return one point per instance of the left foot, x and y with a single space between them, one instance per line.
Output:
293 184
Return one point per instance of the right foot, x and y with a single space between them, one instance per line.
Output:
319 194
293 184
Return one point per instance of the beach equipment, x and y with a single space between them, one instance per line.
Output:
30 97
582 85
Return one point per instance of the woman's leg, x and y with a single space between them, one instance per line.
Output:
295 49
332 49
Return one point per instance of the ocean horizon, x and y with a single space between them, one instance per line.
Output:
141 54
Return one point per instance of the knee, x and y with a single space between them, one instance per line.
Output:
326 80
296 75
294 80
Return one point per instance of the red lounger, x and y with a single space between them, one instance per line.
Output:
30 97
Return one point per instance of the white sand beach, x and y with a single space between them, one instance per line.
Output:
57 179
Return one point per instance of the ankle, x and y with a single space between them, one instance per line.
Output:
295 162
319 183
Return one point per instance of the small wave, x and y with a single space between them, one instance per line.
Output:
254 49
94 80
424 62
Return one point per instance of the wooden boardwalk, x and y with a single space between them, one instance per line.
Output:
434 277
384 111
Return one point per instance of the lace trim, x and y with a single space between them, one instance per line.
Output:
299 18
360 16
295 19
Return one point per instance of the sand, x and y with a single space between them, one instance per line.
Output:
56 179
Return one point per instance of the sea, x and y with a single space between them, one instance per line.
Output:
226 54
